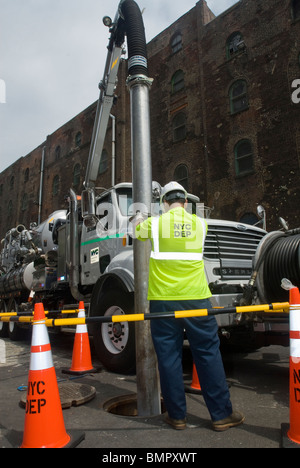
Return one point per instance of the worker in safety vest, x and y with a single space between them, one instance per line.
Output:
177 281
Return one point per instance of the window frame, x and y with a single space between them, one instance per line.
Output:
177 126
176 42
238 158
235 49
78 139
76 175
55 185
57 153
295 10
183 179
24 206
103 165
239 98
177 82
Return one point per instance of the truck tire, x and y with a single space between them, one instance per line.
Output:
114 342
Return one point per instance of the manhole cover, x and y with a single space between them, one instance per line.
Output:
71 394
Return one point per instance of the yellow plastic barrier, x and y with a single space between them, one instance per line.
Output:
280 307
268 308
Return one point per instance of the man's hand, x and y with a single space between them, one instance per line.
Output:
138 218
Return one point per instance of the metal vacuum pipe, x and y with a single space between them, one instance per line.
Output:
148 392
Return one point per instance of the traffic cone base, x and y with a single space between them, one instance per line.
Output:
286 441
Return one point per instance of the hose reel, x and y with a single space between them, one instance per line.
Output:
277 257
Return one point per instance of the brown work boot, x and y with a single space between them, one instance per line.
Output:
235 419
178 424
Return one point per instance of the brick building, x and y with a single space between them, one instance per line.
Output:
223 122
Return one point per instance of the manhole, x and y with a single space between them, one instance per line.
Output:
125 405
71 394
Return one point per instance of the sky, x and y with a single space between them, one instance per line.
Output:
52 57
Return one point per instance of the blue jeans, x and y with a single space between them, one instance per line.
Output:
202 334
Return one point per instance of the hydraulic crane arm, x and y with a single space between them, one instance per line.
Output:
105 102
129 22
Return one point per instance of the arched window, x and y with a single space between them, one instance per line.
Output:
296 9
78 139
9 209
181 176
76 175
57 153
12 182
177 81
179 127
103 162
243 155
238 97
176 43
25 202
26 175
234 44
55 186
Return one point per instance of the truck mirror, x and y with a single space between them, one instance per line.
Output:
88 208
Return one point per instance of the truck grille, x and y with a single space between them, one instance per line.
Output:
230 243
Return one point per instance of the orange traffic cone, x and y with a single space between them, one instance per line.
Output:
291 433
195 385
44 425
81 358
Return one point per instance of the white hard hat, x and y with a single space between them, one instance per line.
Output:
173 190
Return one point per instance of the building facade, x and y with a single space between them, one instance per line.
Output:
223 121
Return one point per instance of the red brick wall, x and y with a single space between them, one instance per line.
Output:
268 64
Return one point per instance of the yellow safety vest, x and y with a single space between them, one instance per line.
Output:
176 269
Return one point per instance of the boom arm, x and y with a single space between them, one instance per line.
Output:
105 102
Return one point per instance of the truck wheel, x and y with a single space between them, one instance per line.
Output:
114 342
3 325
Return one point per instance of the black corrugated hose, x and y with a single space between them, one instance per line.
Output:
278 257
282 261
136 40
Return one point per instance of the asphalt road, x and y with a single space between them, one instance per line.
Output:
259 387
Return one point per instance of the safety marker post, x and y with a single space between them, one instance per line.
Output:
291 432
81 358
44 425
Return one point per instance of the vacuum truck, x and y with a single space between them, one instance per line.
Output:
86 252
68 258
